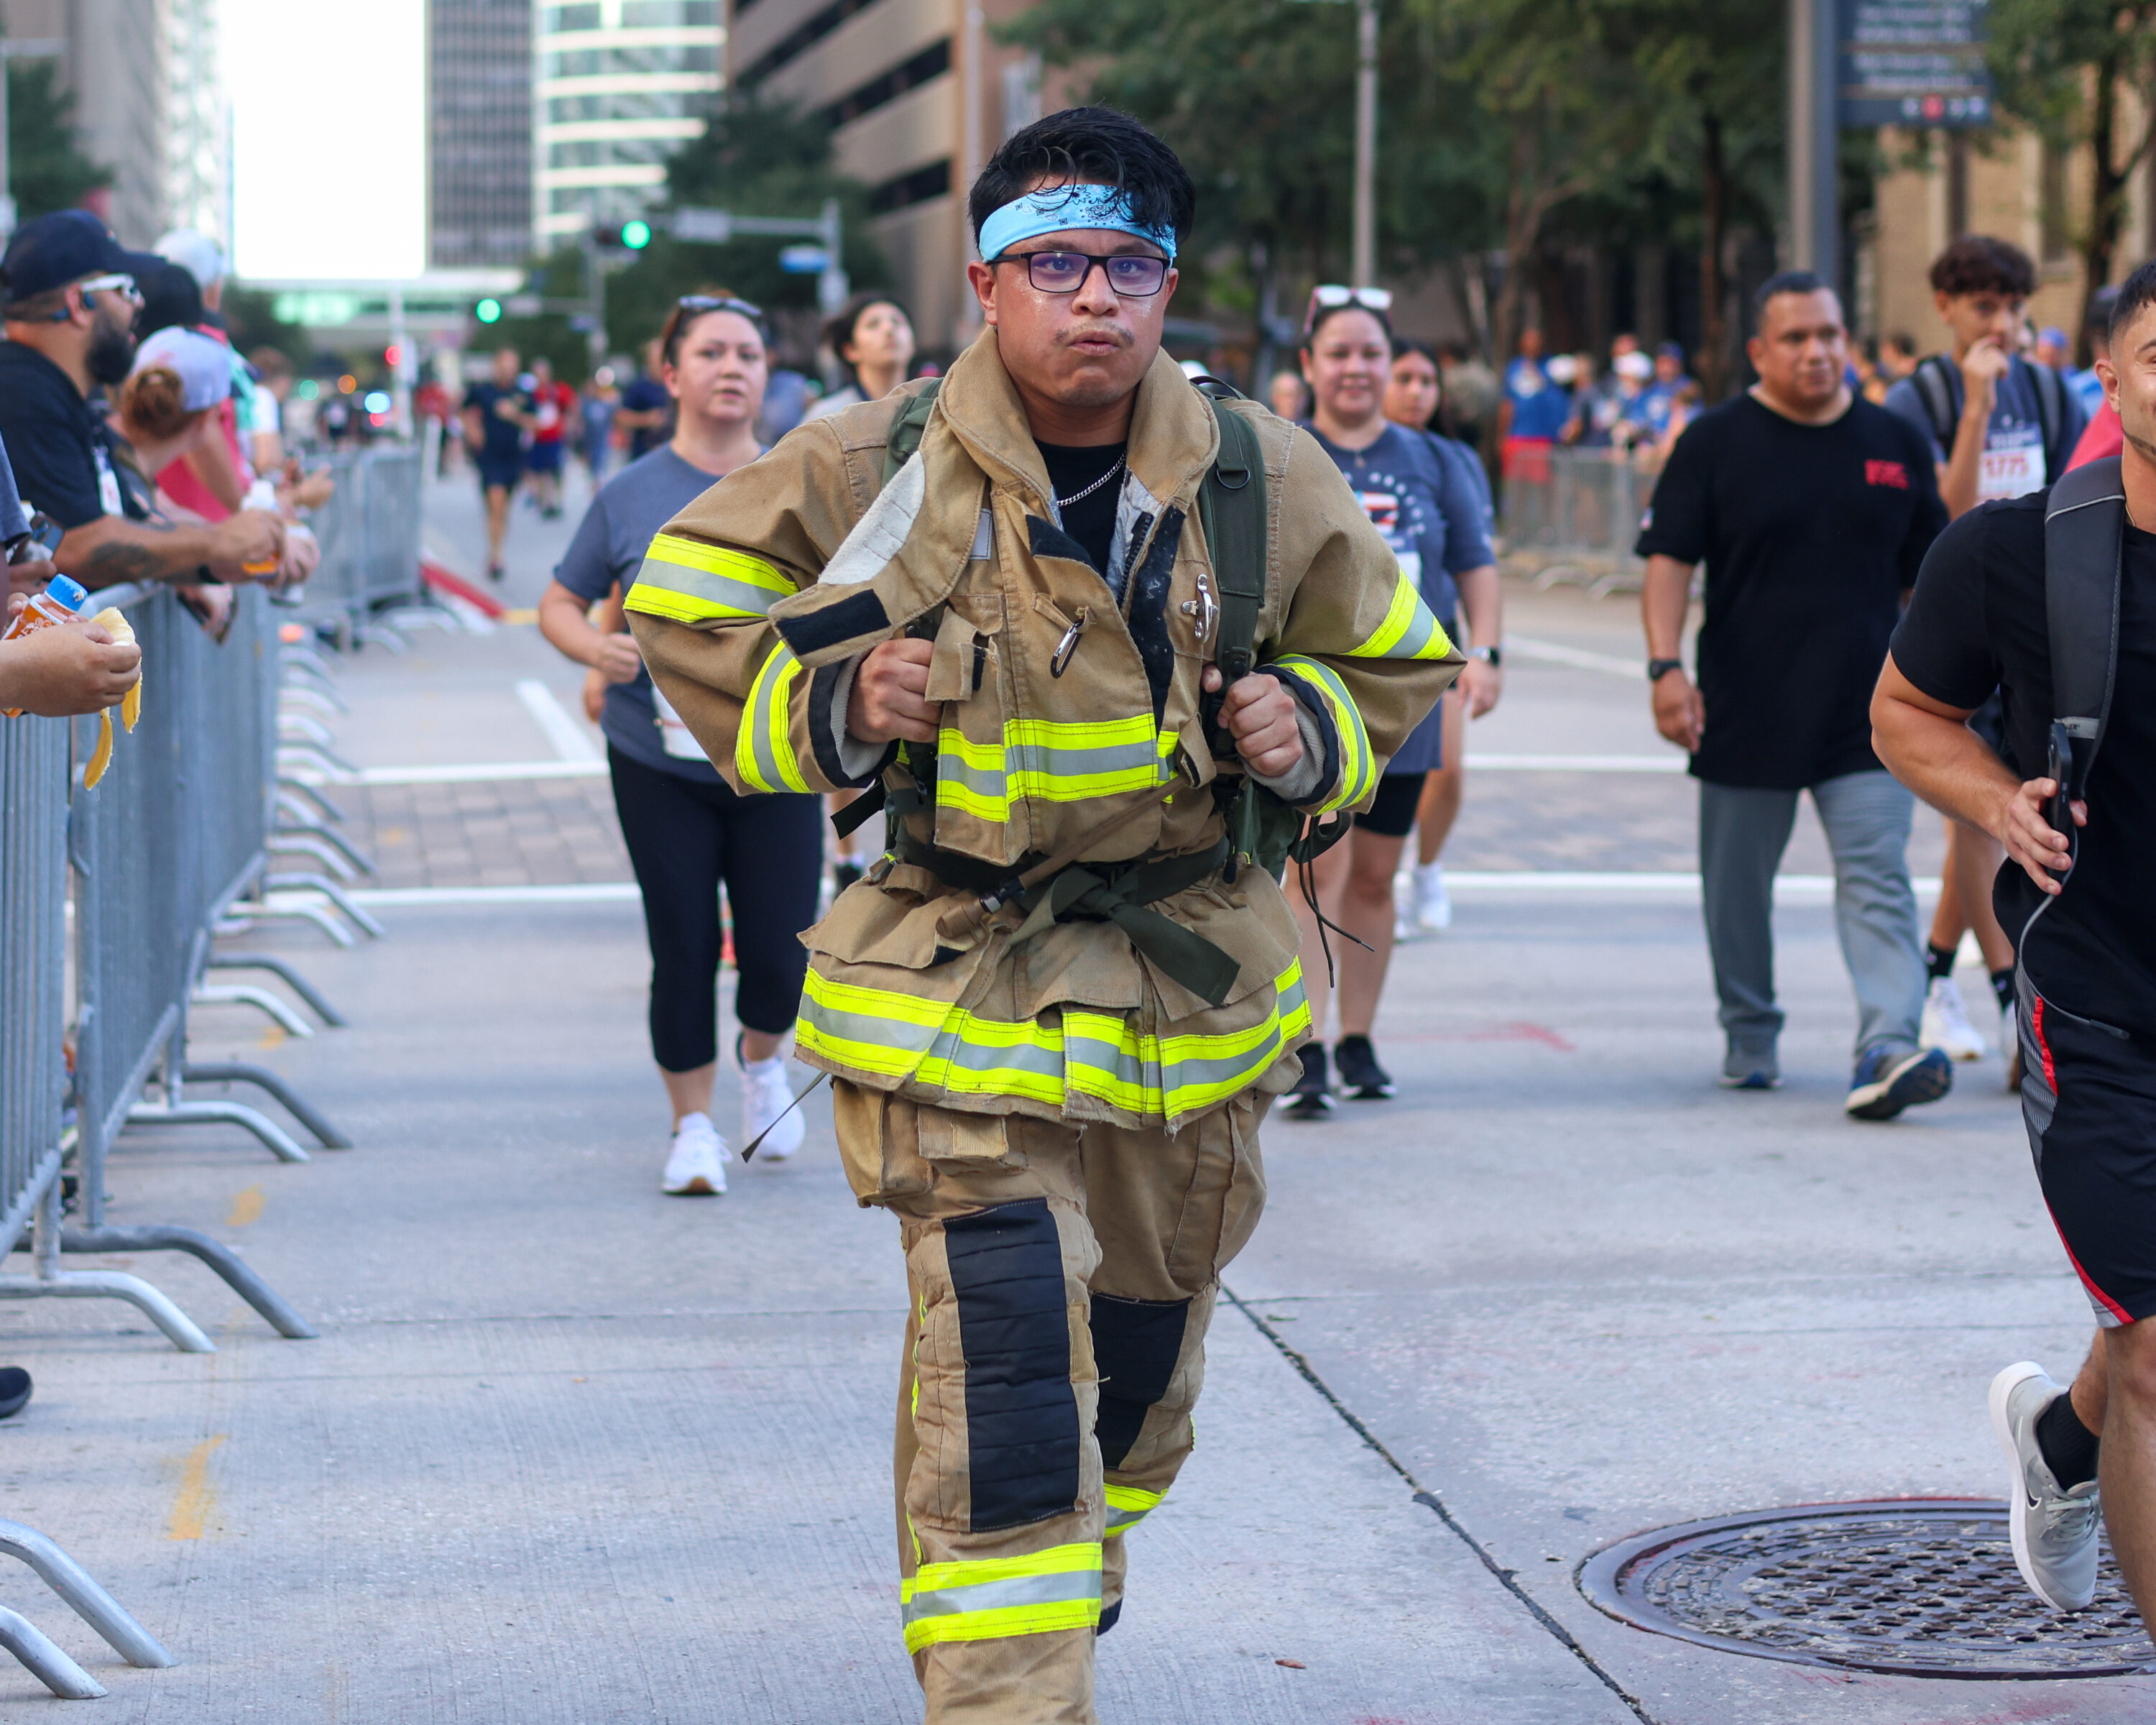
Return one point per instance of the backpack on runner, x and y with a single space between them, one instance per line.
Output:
1937 383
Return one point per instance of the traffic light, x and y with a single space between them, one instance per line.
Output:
488 312
624 236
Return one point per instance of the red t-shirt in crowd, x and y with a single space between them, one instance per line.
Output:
2105 436
552 404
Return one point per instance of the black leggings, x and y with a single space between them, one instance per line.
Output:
685 837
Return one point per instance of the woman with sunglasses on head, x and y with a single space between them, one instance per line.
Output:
687 832
1432 515
1413 397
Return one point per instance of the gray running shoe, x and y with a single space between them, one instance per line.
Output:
2054 1531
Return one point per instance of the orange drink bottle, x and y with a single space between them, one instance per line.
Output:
61 602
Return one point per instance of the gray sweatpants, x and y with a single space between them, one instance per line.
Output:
1743 833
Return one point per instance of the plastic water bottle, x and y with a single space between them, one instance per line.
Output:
61 602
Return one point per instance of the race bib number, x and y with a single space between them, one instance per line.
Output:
674 735
2012 464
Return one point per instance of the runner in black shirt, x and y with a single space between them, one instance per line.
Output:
2086 988
1812 512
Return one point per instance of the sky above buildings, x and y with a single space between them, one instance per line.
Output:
329 138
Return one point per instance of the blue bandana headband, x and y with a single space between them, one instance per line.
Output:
1056 209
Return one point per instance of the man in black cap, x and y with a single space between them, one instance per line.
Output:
70 299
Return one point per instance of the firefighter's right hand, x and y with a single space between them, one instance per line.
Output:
890 701
77 668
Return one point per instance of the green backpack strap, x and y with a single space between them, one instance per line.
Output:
1231 505
906 429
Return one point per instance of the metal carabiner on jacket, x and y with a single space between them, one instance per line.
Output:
1060 660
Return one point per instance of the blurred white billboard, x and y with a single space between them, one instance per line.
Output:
329 102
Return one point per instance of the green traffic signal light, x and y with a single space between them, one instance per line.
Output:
488 312
636 235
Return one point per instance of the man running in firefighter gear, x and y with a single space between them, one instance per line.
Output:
1055 1012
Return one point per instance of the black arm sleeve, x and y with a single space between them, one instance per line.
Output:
1677 523
1943 643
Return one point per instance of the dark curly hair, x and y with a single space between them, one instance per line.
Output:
1092 145
1979 263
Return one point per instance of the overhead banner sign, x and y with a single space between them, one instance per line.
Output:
1913 63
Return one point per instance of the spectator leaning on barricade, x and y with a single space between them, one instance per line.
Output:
2049 598
1998 427
70 304
688 834
1811 510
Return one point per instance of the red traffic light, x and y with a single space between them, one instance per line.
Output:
392 354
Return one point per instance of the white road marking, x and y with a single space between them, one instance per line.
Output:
1671 763
571 740
1527 647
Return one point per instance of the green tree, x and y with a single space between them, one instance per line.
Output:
1713 72
2062 66
755 158
47 169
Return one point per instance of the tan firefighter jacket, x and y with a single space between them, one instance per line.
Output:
1069 723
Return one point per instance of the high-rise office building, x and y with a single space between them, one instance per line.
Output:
114 63
479 158
622 85
198 123
919 92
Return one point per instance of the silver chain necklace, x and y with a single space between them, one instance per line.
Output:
1080 496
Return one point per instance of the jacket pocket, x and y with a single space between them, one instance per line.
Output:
974 771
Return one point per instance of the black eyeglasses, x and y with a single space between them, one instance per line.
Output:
1138 276
725 302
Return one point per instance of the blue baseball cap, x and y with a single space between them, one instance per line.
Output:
53 250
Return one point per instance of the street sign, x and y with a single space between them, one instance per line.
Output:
1913 63
803 259
525 305
702 227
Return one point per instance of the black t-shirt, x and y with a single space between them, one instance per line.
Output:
1811 535
505 437
1978 621
1091 520
54 440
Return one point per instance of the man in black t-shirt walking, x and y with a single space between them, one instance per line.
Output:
2085 934
1812 510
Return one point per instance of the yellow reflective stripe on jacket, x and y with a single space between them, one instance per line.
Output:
690 582
1092 1053
1049 761
1058 1589
763 746
1410 629
1359 775
1128 1506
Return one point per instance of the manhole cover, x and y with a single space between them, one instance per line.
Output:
1926 1587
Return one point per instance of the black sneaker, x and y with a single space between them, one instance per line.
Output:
14 1391
843 876
1360 1074
1310 1099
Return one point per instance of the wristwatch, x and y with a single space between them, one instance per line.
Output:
1657 669
1491 656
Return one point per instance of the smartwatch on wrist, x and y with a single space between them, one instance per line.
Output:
1657 669
1493 657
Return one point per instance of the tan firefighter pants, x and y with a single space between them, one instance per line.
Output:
1061 1282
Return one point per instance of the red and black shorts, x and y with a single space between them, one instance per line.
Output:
2088 1096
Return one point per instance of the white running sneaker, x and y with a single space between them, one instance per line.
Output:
1946 1024
2054 1531
765 1097
1433 908
696 1164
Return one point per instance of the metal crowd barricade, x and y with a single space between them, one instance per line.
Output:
370 536
175 834
1572 515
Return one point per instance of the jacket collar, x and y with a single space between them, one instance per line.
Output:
1173 438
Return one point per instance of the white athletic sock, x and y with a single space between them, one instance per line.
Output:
757 1068
1430 876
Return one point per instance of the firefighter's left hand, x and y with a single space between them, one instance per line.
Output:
1260 715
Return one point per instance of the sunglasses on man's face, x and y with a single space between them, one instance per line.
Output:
118 283
1137 276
